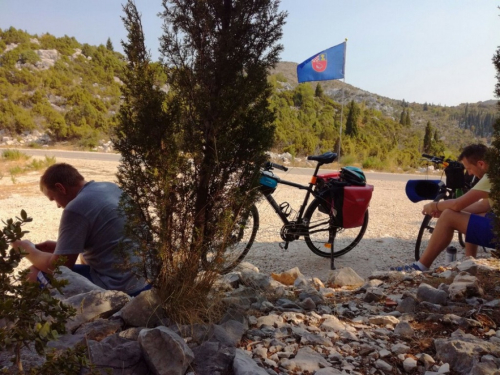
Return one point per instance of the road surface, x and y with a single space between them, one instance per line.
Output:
101 156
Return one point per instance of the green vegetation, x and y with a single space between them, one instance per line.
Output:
75 100
30 314
494 168
16 162
191 157
78 100
14 155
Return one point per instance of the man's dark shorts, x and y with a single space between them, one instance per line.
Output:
480 230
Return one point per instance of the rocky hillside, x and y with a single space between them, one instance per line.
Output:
450 121
442 322
70 92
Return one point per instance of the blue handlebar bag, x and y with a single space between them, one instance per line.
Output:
420 190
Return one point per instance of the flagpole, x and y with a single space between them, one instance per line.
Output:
342 105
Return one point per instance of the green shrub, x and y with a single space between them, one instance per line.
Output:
37 164
14 155
374 163
28 56
30 313
347 159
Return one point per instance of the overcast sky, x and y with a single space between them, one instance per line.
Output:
435 51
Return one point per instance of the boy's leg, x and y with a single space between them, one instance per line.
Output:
448 222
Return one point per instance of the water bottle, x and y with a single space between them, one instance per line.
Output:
451 254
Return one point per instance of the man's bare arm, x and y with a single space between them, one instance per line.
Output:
42 260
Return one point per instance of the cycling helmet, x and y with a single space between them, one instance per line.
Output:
353 175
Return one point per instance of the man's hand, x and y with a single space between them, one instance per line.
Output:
24 245
430 209
46 246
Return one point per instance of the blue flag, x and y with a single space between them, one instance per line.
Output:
326 65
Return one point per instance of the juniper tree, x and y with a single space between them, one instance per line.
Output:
494 156
407 119
191 156
319 91
109 45
351 126
428 137
402 117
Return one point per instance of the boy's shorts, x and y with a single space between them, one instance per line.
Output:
480 230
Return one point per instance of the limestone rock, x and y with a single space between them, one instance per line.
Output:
165 352
345 277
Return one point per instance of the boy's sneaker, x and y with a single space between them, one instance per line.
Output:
406 268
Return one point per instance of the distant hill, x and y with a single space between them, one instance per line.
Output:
476 117
70 92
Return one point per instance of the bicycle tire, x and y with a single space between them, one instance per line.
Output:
427 226
319 231
242 240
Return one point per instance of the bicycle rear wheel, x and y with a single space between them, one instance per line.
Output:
320 231
239 243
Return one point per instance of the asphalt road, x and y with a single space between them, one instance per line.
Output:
101 156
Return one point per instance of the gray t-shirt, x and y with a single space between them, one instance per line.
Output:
91 224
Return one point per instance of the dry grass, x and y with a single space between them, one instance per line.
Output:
14 163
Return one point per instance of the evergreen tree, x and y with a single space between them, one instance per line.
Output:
109 45
436 136
402 117
407 119
319 91
426 107
191 157
428 138
494 167
351 126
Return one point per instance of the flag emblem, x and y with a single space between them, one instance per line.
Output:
319 63
324 65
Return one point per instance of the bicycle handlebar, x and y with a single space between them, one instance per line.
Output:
271 165
441 160
427 156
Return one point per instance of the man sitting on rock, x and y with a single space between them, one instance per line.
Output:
91 226
469 214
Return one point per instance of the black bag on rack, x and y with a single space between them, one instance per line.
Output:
455 176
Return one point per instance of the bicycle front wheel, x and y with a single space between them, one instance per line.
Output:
425 233
239 243
320 231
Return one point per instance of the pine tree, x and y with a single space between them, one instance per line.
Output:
109 45
351 126
319 91
426 107
428 138
191 157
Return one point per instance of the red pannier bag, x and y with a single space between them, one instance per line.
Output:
354 205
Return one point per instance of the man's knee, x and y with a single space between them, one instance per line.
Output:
454 220
447 216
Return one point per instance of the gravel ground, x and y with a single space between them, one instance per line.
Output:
389 239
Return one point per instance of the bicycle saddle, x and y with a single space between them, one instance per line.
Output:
327 157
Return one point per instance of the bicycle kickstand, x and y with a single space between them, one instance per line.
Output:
284 245
332 259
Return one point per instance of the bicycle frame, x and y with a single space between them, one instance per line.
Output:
308 188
